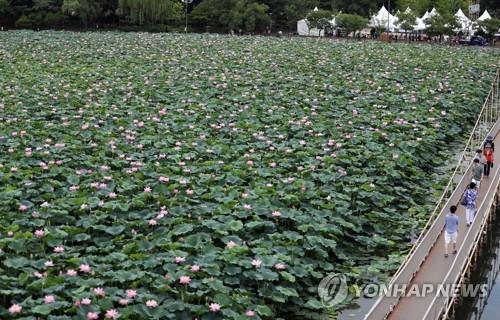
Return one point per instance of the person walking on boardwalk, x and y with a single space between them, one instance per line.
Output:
477 172
481 157
469 201
488 155
451 230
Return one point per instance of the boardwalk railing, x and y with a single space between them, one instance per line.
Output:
488 116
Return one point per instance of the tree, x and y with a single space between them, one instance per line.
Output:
245 14
320 19
362 7
351 22
256 17
149 11
4 6
417 6
488 28
296 10
440 25
87 11
407 20
446 7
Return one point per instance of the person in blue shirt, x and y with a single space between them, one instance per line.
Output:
451 231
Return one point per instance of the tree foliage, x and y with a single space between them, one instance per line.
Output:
407 20
441 24
4 6
87 11
232 14
249 15
149 11
351 22
488 28
320 19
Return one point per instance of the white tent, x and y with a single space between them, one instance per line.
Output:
428 15
384 19
303 29
484 16
465 23
420 25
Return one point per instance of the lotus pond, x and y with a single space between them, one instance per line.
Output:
155 176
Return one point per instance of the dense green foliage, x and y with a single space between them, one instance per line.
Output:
441 24
351 22
407 20
235 171
248 15
320 19
488 28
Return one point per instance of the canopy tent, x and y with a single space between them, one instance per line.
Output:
465 23
484 16
384 19
303 29
428 15
419 23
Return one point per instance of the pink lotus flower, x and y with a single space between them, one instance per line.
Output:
112 314
39 233
15 308
99 292
152 222
179 260
59 249
71 273
49 299
250 163
280 266
163 179
131 293
195 268
123 302
152 303
48 264
85 268
92 315
214 307
256 263
250 313
23 207
147 189
112 195
247 206
276 214
189 192
185 280
85 301
231 244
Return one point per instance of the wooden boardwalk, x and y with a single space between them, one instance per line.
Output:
426 263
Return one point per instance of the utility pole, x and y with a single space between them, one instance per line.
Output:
474 10
186 4
388 16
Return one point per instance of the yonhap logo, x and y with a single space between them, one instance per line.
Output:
333 290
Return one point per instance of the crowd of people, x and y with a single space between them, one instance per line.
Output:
481 168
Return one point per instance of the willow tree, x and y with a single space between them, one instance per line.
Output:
149 11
